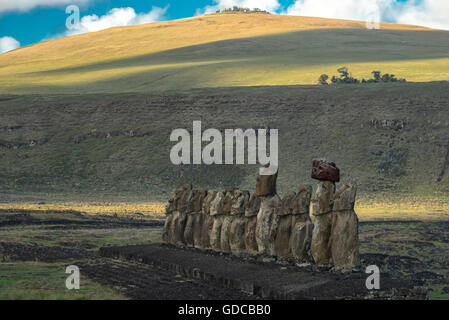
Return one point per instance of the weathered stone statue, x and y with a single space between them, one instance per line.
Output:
266 184
282 243
227 221
193 211
184 206
188 230
251 212
344 241
322 203
170 208
199 217
323 200
207 220
302 227
267 224
240 201
216 212
267 218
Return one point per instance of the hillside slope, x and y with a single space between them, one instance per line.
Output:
222 50
92 114
388 138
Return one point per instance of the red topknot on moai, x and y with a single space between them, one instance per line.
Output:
325 170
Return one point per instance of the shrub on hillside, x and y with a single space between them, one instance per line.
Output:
393 162
239 9
345 77
323 79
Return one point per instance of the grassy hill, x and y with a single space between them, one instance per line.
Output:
92 114
222 50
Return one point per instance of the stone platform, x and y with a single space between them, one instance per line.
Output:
267 280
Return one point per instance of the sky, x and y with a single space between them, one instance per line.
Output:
24 22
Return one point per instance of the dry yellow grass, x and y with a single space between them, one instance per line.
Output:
121 42
418 209
159 56
151 209
413 208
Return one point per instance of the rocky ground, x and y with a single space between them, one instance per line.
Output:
412 252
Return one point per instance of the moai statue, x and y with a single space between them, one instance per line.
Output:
251 211
302 227
323 200
170 208
240 201
193 217
344 241
227 220
207 220
199 217
267 218
282 242
266 184
190 218
179 219
216 212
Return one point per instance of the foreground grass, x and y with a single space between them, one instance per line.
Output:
33 279
439 292
417 247
46 281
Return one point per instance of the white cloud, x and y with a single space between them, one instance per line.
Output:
428 13
117 17
25 5
8 44
343 9
268 5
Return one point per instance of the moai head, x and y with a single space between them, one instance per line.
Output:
323 199
181 196
345 197
239 201
288 204
173 202
216 207
325 170
198 198
266 184
185 204
253 206
227 201
302 200
207 202
170 207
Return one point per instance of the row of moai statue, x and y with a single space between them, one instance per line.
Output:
262 223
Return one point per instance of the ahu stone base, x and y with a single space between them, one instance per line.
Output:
268 280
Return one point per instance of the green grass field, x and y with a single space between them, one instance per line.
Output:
81 144
45 281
